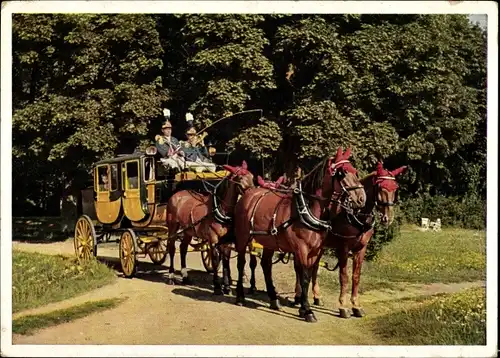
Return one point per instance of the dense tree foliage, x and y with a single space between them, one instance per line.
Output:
407 89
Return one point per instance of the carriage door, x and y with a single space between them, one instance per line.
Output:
132 203
148 163
107 204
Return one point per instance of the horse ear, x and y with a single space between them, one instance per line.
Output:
244 165
380 168
260 180
398 171
229 168
280 180
338 156
347 153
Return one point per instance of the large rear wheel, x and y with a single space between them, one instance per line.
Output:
85 241
128 251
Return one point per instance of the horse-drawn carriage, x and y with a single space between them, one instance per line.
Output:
129 197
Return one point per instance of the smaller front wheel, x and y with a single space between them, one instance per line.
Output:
128 251
157 251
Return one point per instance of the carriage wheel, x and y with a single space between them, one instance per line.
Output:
157 251
206 258
128 251
85 241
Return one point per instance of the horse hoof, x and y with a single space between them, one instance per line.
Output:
318 302
275 305
240 301
218 291
344 313
252 290
358 312
226 290
311 318
296 301
170 281
186 281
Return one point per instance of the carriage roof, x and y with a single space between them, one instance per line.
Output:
123 157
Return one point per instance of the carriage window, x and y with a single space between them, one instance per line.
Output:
103 178
149 169
114 177
132 175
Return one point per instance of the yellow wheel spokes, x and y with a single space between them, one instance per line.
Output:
127 253
84 239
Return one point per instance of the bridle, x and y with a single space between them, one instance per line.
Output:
384 203
342 198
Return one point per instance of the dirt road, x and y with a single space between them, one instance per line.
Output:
156 313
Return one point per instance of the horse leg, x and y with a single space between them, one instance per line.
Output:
171 251
267 267
305 308
226 269
356 274
298 290
214 251
344 281
240 294
315 286
184 248
253 265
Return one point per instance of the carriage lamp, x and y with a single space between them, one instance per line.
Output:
189 117
166 113
151 150
211 151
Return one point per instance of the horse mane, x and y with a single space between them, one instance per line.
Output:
314 179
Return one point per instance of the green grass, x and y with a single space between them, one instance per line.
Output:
39 279
29 324
452 255
456 319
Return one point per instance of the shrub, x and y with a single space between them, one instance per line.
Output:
467 212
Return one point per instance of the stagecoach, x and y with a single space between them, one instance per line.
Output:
128 199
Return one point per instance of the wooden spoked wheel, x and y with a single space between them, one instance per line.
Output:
85 241
206 258
157 251
128 251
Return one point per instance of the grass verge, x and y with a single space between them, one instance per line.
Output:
39 279
451 255
452 319
28 324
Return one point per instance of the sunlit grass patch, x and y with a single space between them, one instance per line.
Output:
452 255
456 319
30 324
39 279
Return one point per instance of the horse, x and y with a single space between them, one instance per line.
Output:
283 221
352 232
207 216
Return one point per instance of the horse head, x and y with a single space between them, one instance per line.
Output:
385 191
347 190
241 176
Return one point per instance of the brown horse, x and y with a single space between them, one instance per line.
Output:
207 216
352 232
283 221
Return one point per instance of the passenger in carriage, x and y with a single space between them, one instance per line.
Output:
195 152
169 148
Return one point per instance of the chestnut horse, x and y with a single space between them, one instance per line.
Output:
207 216
283 221
352 232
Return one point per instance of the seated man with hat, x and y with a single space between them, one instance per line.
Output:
169 146
196 153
